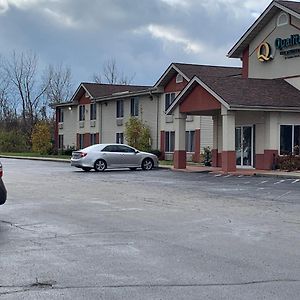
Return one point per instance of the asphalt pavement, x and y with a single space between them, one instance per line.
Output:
68 234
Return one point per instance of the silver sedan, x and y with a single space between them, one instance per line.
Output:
102 156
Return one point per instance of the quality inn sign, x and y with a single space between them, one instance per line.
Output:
288 47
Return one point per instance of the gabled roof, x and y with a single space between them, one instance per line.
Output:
275 6
245 93
190 70
97 90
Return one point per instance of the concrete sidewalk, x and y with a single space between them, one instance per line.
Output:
191 168
238 172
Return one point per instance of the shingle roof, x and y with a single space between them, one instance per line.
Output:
295 6
98 90
249 92
191 70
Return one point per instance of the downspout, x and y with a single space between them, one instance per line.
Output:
101 123
157 121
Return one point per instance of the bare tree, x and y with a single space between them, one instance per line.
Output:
21 72
111 74
60 84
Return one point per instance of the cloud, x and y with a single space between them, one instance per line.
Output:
61 18
144 36
171 35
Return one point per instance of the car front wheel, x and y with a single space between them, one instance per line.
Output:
147 164
99 165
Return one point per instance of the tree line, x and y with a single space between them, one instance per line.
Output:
27 91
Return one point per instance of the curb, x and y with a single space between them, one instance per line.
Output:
37 158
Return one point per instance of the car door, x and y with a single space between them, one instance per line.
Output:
130 157
112 156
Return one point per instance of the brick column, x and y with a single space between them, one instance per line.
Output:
197 139
162 144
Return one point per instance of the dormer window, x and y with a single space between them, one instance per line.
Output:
283 19
179 78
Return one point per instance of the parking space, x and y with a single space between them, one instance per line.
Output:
68 234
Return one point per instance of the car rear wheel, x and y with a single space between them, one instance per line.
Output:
100 165
147 164
86 169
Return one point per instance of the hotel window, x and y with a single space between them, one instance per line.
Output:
93 138
120 108
134 107
81 113
289 139
120 138
81 141
93 111
60 141
169 141
179 78
169 98
60 112
190 141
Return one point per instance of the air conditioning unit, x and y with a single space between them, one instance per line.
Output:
60 125
93 123
81 124
169 119
119 122
189 118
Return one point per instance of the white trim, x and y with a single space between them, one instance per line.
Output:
265 108
179 78
283 14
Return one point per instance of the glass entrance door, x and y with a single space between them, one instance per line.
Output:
244 146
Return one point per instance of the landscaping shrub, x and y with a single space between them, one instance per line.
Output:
289 162
13 141
41 138
207 156
156 152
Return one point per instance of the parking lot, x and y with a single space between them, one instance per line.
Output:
68 234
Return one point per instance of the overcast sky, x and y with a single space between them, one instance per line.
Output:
144 36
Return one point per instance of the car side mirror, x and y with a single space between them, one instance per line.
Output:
136 151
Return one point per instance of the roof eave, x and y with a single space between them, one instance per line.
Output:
264 108
163 76
129 94
237 49
195 79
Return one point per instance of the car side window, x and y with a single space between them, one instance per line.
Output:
126 149
107 149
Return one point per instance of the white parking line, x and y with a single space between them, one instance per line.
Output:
280 181
264 181
240 176
297 180
227 176
218 175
